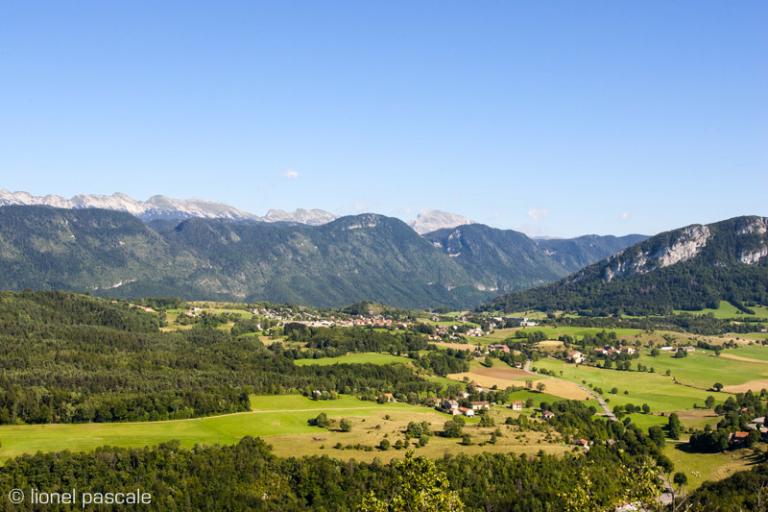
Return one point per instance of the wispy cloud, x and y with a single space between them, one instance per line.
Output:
538 214
625 216
291 174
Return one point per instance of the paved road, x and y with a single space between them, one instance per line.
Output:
606 410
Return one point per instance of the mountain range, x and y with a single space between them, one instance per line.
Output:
353 258
162 207
688 268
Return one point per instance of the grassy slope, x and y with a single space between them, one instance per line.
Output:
654 389
702 368
700 467
727 310
283 420
272 415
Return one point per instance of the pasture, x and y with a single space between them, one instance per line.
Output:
726 310
283 421
702 467
656 390
703 368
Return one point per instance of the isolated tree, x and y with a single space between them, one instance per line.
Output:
452 428
709 402
673 426
321 420
486 421
717 386
345 425
540 387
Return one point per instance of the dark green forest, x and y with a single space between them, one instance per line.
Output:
72 358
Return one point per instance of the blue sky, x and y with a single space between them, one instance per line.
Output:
557 118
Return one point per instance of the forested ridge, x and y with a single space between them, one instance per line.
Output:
73 358
690 268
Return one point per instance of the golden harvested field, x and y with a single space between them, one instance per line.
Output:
754 385
550 345
507 377
734 357
456 346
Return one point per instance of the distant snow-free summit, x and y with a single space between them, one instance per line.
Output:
431 220
162 207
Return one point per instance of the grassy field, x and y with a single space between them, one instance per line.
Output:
172 315
701 467
702 368
726 310
654 389
282 420
355 358
694 418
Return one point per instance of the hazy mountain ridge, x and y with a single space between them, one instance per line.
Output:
687 268
114 253
576 253
162 207
507 260
428 221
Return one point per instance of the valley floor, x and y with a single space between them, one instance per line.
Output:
283 421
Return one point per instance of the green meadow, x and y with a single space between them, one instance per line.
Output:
701 467
659 392
726 310
703 368
271 416
355 358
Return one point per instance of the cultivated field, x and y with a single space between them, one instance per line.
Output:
502 376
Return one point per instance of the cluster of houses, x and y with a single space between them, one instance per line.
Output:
454 408
578 357
453 333
575 357
509 321
740 437
608 351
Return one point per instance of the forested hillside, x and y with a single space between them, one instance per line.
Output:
355 258
69 358
690 268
